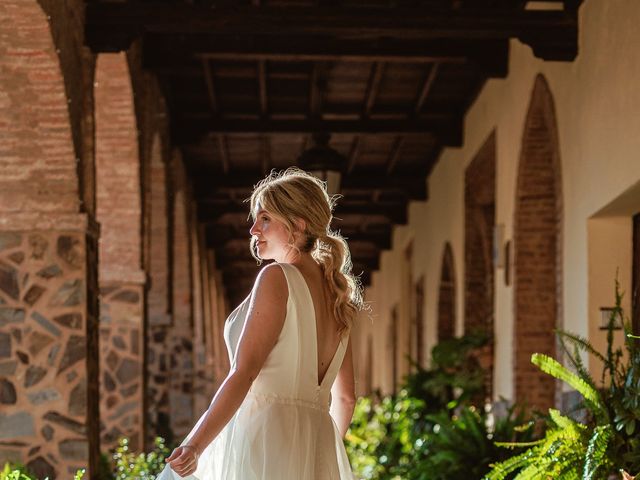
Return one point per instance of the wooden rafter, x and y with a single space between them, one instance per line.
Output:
211 91
262 81
218 236
373 86
394 212
354 152
409 186
317 89
394 155
265 157
449 130
223 149
427 85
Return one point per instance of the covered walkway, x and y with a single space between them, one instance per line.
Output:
486 152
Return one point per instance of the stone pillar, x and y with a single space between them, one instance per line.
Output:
122 360
48 343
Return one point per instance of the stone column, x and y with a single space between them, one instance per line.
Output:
48 343
122 359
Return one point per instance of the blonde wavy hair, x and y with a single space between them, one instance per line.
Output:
295 194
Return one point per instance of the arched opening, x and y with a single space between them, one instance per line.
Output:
538 217
480 206
118 210
447 296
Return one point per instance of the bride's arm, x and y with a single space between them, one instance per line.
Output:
267 312
343 393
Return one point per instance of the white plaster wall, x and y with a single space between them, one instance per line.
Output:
597 100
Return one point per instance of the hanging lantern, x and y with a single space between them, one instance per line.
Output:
324 162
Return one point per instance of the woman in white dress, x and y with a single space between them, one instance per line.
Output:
287 402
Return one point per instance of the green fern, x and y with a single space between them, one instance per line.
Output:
596 458
559 371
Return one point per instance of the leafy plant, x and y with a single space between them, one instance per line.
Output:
455 376
380 441
14 472
463 446
140 466
430 430
609 439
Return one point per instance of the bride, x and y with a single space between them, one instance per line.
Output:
288 399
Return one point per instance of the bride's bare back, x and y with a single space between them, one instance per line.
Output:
327 327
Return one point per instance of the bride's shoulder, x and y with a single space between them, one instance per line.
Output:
271 280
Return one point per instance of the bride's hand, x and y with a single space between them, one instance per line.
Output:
184 460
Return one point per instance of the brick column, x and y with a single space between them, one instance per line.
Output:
122 281
48 261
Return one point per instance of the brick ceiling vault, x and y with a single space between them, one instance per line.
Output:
248 83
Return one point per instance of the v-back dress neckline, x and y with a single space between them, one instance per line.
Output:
319 382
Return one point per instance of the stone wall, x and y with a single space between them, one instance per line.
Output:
48 348
121 367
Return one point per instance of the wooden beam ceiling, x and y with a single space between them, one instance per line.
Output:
396 213
112 26
268 30
275 74
448 129
412 187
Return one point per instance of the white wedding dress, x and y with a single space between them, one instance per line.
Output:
282 430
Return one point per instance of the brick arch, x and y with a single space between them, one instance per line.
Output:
40 172
537 236
122 293
117 166
447 296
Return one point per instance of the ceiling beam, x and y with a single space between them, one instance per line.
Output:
354 153
165 53
394 155
447 129
223 150
413 186
373 86
396 213
427 85
113 26
218 236
211 91
262 87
